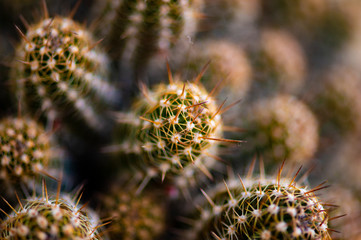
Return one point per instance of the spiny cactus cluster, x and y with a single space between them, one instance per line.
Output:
267 58
261 208
25 150
174 129
61 74
135 216
282 128
50 217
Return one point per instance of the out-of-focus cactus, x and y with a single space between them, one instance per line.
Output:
260 208
50 217
228 62
348 213
140 29
173 130
296 13
346 161
280 63
337 102
62 75
25 150
135 216
281 128
231 18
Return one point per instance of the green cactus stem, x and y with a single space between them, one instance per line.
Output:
261 208
50 217
60 74
172 130
140 29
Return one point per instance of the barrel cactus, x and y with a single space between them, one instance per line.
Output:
25 150
173 130
135 216
60 74
281 128
50 217
261 208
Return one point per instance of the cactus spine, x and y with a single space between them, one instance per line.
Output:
62 74
261 208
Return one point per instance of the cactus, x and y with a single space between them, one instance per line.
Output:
338 103
228 63
282 128
346 163
261 208
62 75
49 217
25 150
350 206
280 63
231 19
296 14
172 130
134 216
140 29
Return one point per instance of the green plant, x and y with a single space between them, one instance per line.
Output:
140 29
50 217
62 75
261 208
25 150
173 130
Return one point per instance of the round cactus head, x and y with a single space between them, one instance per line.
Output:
282 128
61 74
261 208
174 129
175 126
50 217
25 150
135 216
